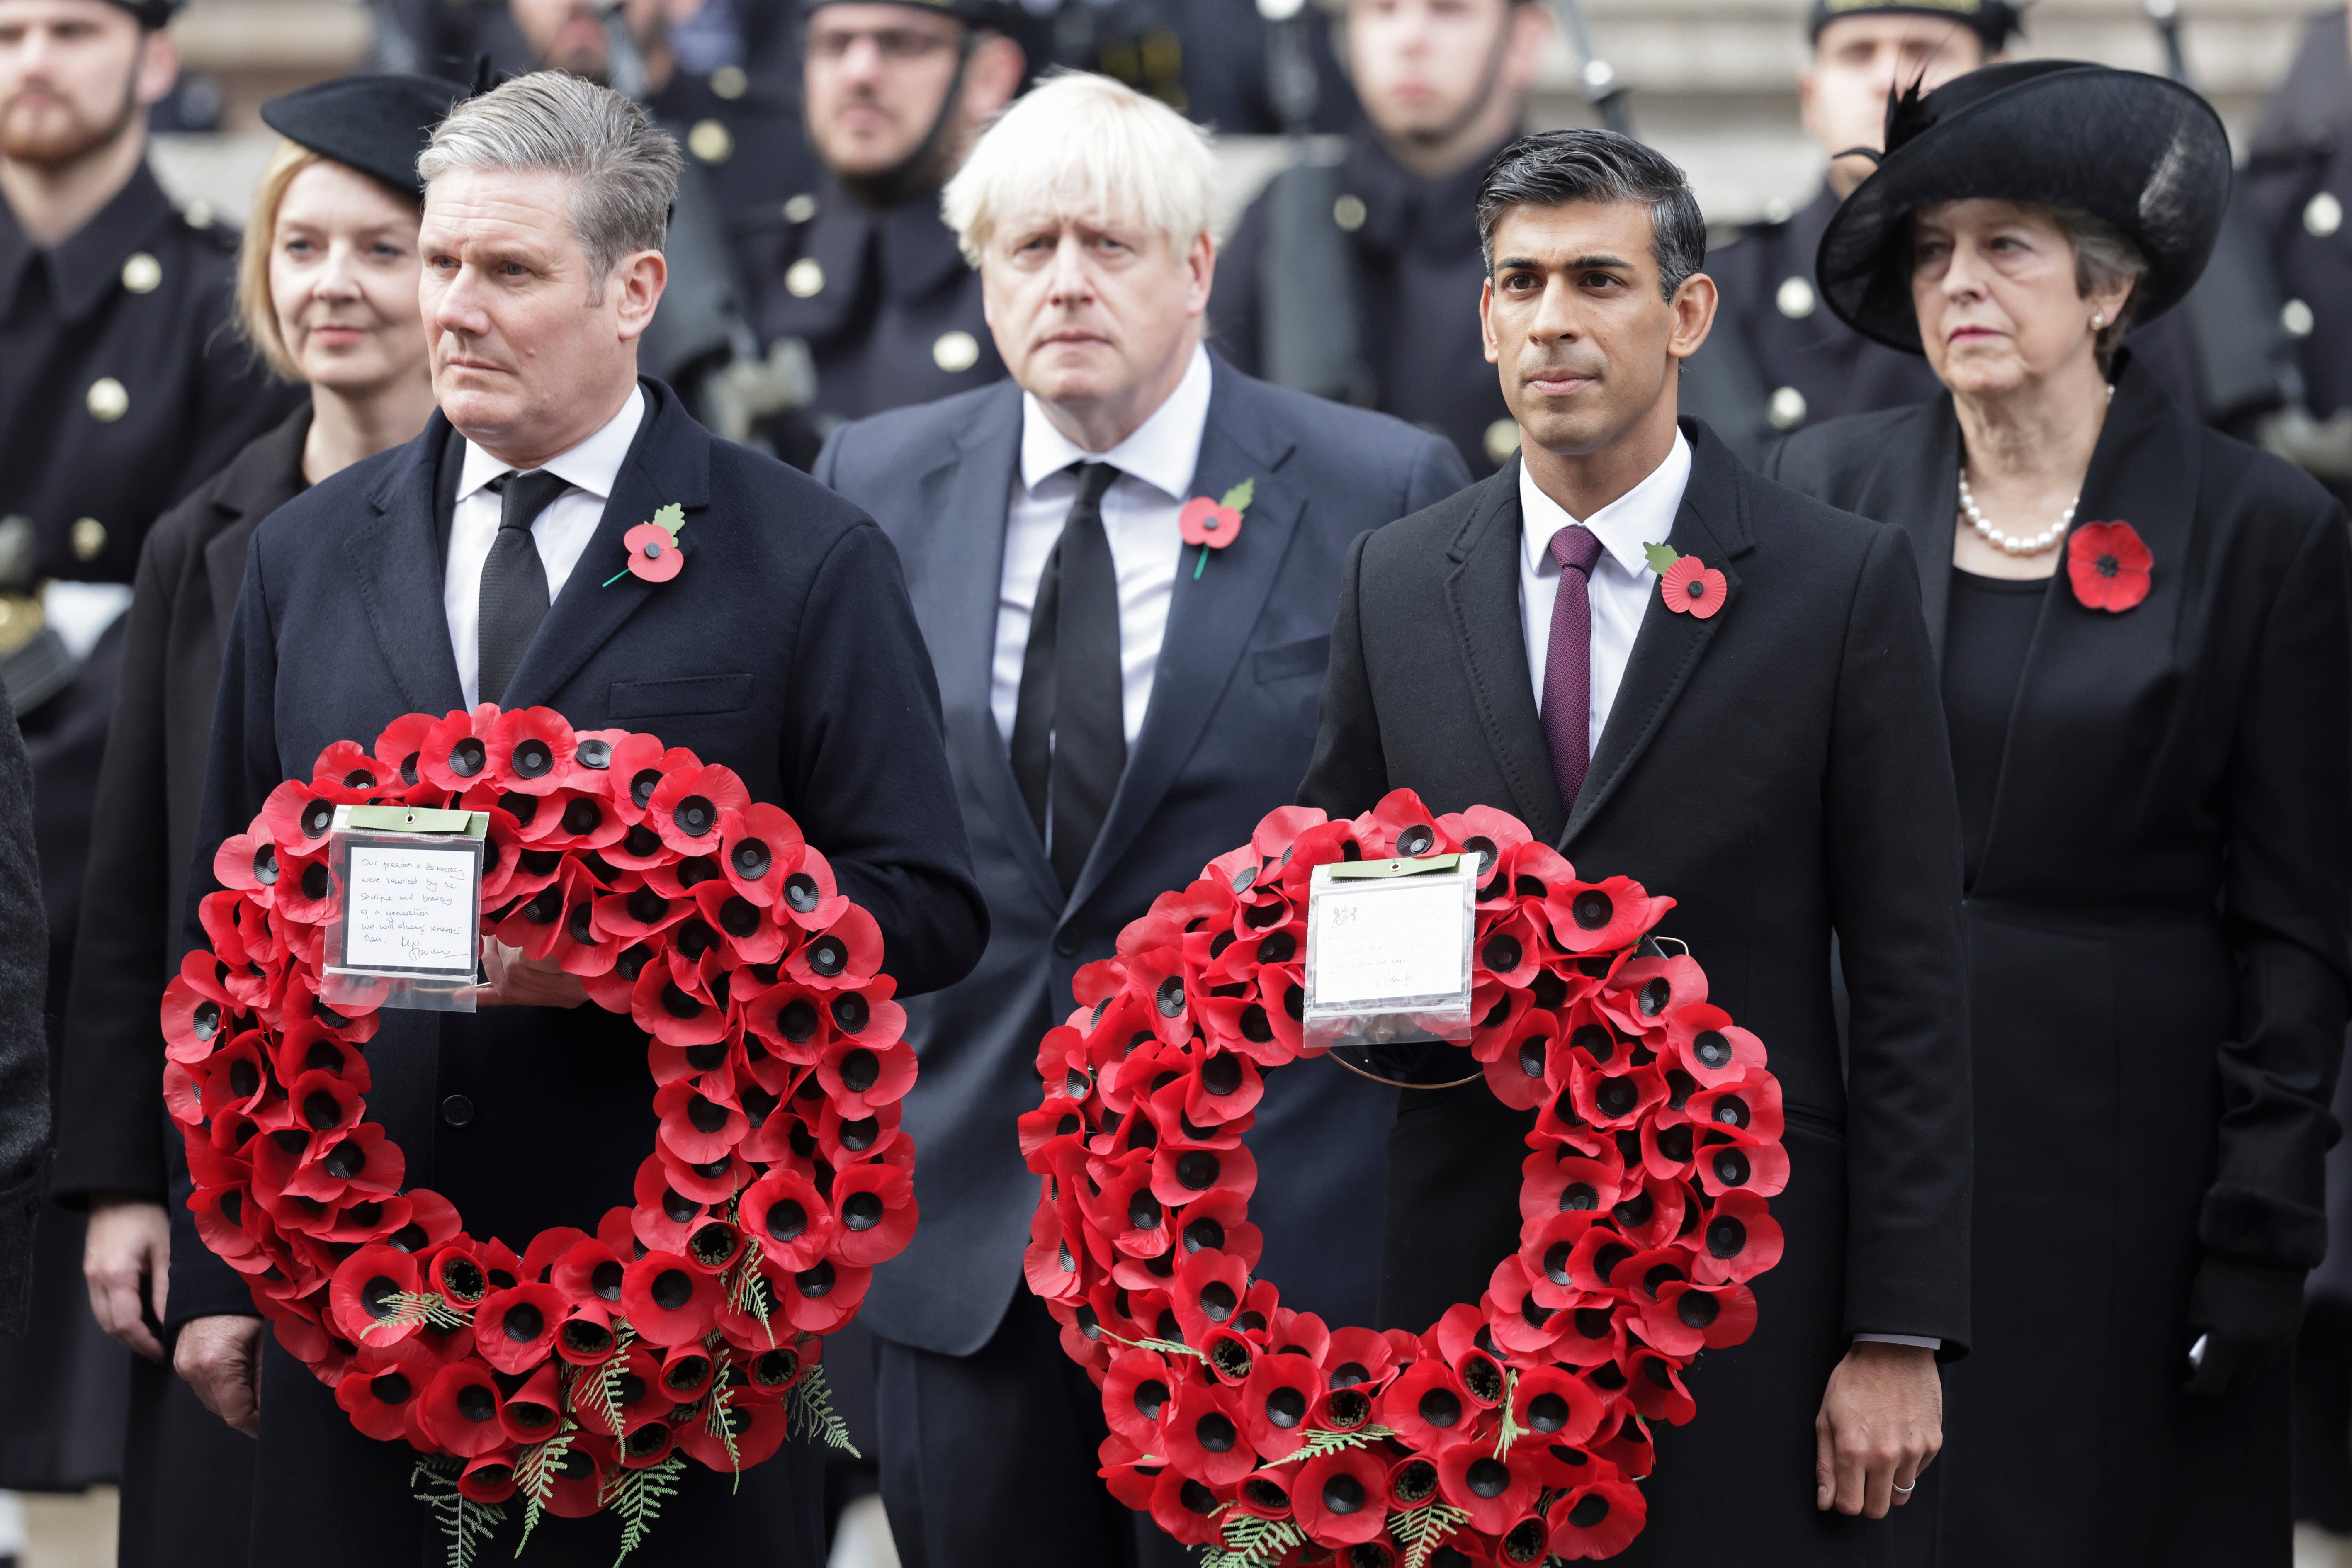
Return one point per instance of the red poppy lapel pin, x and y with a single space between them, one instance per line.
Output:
1689 585
653 554
2107 563
1213 525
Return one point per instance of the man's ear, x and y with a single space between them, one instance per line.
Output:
992 77
1694 306
1486 321
159 67
640 279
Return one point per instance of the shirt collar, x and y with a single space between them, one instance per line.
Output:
1642 516
593 466
1162 451
87 265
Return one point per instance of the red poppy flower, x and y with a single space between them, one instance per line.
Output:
668 1300
377 1396
1136 1393
760 844
298 817
1493 1490
1340 1500
863 1077
514 1330
459 1410
1655 1386
1183 1507
530 1413
687 807
654 553
588 1271
578 1479
637 1395
1426 1406
1710 1047
1739 1240
1562 1181
361 1294
530 750
821 1298
672 1014
843 956
1203 1434
1276 1401
1598 1520
1728 1161
488 1477
585 1336
2107 564
1205 521
1520 1062
698 1129
1690 587
742 1434
456 752
1522 1326
346 772
1602 917
845 1140
874 1208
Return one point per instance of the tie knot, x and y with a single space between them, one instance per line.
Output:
1576 547
1094 480
523 495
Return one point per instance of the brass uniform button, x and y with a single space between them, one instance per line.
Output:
2296 318
2322 216
804 280
89 539
198 214
956 352
107 400
711 142
1795 298
1502 440
729 81
1347 211
142 273
1786 409
799 208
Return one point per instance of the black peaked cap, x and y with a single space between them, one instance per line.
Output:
376 124
1992 20
2145 154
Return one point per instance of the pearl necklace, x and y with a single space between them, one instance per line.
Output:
2015 544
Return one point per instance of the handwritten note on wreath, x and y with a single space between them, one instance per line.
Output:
409 907
1376 941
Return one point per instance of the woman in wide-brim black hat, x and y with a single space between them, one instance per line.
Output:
2148 687
327 294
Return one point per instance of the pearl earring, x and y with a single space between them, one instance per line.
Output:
2098 322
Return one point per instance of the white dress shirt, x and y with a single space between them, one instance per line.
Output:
562 532
1155 467
1621 578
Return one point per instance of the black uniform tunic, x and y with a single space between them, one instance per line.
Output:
122 386
748 140
887 305
1417 275
2158 982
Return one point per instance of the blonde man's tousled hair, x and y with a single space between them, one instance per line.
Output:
1079 145
624 167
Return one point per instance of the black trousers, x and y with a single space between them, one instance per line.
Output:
989 1460
2322 1418
187 1478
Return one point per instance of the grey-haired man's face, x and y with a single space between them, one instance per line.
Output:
532 349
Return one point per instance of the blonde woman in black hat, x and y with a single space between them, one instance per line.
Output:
2148 683
327 293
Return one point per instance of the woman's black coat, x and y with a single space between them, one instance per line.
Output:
187 1477
2158 986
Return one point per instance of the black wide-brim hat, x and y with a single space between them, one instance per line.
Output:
376 124
2144 153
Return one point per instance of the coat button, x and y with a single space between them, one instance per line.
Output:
2322 216
89 539
711 142
729 81
142 273
1786 409
1795 299
1066 944
956 353
799 208
108 400
1349 213
1501 440
457 1111
804 278
2296 318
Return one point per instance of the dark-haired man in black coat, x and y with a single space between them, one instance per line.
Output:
784 649
1775 764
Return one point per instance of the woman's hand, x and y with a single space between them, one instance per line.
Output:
221 1358
1881 1424
126 1253
516 981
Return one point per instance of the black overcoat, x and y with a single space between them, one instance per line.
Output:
187 1478
2157 981
1782 770
786 650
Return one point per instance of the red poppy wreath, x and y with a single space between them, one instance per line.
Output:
584 1373
1514 1430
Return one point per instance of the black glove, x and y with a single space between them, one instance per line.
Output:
2247 1317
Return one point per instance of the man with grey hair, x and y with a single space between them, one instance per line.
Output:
470 566
1120 710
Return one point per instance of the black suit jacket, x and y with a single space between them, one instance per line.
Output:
113 1132
1232 716
1780 769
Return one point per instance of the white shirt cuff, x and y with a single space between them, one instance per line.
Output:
1914 1340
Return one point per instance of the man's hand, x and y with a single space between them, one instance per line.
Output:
128 1246
221 1359
516 981
1882 1423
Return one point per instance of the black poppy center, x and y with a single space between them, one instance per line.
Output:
583 815
524 1322
1725 1236
1215 1432
1197 1170
1712 1048
1220 1074
814 1283
390 1387
860 1071
1342 1493
1170 997
708 1116
467 757
1502 954
2108 566
1488 1477
1150 1395
642 786
1218 1300
265 865
786 1219
828 956
1441 1408
1616 1097
317 818
863 1211
532 758
672 1289
1546 1412
1589 1509
695 816
1531 1054
1593 909
1654 997
1730 1167
801 891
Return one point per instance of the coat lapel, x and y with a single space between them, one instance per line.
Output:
669 461
395 561
1926 498
956 593
1711 524
264 477
1482 580
1209 617
2144 471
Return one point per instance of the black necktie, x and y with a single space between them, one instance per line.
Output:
1069 732
514 582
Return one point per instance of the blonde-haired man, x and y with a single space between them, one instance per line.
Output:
1104 749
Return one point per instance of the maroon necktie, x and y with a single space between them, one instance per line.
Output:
1568 667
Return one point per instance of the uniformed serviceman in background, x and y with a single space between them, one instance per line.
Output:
1360 279
1778 361
859 265
122 387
